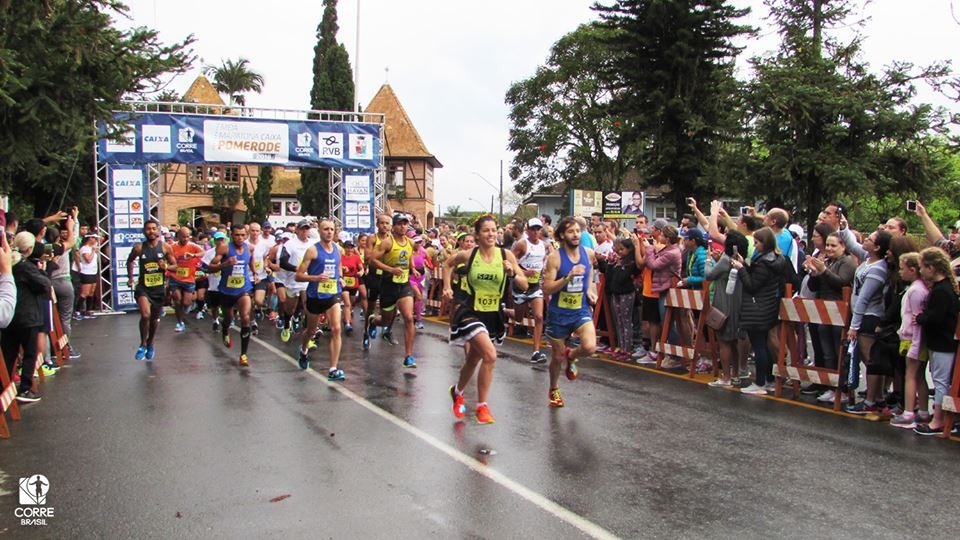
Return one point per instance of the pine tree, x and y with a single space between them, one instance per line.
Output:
258 203
332 90
671 73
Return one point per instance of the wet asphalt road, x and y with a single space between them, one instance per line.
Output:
196 446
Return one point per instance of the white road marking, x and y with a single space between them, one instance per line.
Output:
568 516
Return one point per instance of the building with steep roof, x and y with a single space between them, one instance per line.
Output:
409 165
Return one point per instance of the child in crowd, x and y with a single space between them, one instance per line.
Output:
618 280
915 384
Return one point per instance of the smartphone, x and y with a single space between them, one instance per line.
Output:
48 248
689 201
736 252
911 206
744 210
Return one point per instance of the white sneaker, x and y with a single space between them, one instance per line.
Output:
770 387
755 390
827 397
720 383
639 352
647 360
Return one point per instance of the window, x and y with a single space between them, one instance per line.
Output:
231 173
397 174
276 207
664 212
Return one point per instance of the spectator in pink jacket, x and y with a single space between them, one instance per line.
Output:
664 259
915 381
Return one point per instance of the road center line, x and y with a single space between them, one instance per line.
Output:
568 516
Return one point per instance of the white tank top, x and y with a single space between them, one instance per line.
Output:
296 249
534 259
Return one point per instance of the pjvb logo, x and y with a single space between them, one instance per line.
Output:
33 490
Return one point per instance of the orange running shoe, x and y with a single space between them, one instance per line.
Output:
555 399
243 361
483 414
459 409
571 371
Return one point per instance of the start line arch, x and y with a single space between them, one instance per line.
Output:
130 161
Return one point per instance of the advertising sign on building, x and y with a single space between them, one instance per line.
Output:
128 202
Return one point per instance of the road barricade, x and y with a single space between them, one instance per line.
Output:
951 401
602 311
434 300
704 343
8 400
804 311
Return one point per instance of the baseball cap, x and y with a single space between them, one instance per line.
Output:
694 234
797 230
164 230
660 223
534 222
348 243
303 224
418 238
266 225
400 218
286 236
219 235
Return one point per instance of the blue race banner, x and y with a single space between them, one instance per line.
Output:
129 206
357 202
179 138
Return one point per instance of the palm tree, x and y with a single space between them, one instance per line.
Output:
234 78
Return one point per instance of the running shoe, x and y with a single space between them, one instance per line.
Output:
303 360
311 344
366 342
255 328
150 353
571 371
555 399
348 328
903 421
216 325
258 315
483 415
419 325
200 315
28 396
648 359
754 389
48 370
279 322
285 335
861 408
409 362
538 358
141 352
371 329
388 337
77 316
720 383
459 409
243 361
926 430
74 355
639 352
296 323
227 341
336 375
827 397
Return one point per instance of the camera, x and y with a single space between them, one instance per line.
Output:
744 210
911 206
689 201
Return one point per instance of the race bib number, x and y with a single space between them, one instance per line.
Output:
183 272
349 282
327 287
403 277
153 280
486 302
236 282
535 278
379 272
569 300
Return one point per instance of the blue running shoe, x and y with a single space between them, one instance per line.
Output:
371 329
141 352
366 343
303 361
348 328
149 355
409 362
336 375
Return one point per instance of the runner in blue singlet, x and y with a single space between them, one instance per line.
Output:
235 263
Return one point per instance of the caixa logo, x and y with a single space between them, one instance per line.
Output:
32 494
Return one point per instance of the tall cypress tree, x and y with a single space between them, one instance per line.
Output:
332 90
673 85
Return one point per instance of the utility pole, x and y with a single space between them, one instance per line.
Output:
501 194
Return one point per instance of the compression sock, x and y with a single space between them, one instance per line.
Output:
244 339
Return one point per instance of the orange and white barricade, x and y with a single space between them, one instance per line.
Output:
434 299
804 311
703 345
8 400
951 401
603 310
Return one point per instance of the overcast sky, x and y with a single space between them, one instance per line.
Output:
450 62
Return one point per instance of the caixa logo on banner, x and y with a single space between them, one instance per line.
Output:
32 495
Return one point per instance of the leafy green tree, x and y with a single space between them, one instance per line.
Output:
827 128
332 90
561 127
64 67
235 78
258 203
671 74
